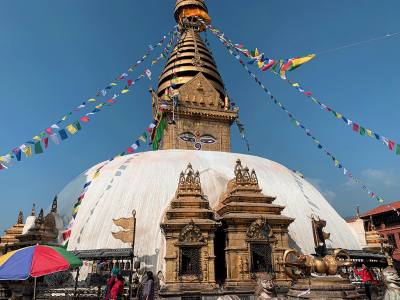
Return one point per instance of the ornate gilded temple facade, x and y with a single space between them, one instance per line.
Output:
246 234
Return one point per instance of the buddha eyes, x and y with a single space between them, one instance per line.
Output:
207 139
187 137
197 141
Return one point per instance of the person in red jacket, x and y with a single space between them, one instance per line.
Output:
367 278
118 288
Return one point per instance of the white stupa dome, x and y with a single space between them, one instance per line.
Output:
148 181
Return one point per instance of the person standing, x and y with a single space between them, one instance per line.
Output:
110 283
118 288
367 279
148 291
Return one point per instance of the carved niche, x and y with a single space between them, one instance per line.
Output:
191 235
259 230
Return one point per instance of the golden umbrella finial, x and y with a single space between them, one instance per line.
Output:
191 9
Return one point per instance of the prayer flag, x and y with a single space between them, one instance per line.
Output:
142 138
46 142
362 130
130 150
297 62
391 145
130 81
38 148
148 74
63 134
28 151
85 119
398 149
55 139
78 125
92 100
17 153
356 127
71 129
270 63
49 130
124 91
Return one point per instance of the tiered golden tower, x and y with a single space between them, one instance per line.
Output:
191 90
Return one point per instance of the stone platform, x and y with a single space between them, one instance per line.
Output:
323 288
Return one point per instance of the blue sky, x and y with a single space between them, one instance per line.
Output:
56 54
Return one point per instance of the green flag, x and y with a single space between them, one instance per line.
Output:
78 125
398 149
38 148
362 130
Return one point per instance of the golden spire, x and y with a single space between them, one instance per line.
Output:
20 218
189 57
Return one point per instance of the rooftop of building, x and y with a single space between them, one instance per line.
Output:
381 209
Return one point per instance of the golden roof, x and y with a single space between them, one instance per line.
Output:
189 57
10 236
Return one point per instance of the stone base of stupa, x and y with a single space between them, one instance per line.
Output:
321 288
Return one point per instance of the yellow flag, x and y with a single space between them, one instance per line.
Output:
36 138
28 151
301 60
92 100
369 133
113 84
339 116
125 91
295 84
71 129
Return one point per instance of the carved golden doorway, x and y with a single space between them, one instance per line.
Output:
261 258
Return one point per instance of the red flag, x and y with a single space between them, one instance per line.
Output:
49 130
391 145
356 127
307 93
130 150
66 234
1 167
110 100
45 142
130 81
85 119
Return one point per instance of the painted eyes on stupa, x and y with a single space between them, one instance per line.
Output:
197 141
208 139
187 137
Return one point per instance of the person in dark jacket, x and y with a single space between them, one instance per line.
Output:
148 290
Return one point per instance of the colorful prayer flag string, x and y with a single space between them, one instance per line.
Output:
143 138
337 163
56 133
281 67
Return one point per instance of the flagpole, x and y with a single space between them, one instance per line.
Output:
34 288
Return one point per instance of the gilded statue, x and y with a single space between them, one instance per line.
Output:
298 265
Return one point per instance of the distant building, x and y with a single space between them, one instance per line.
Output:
377 226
